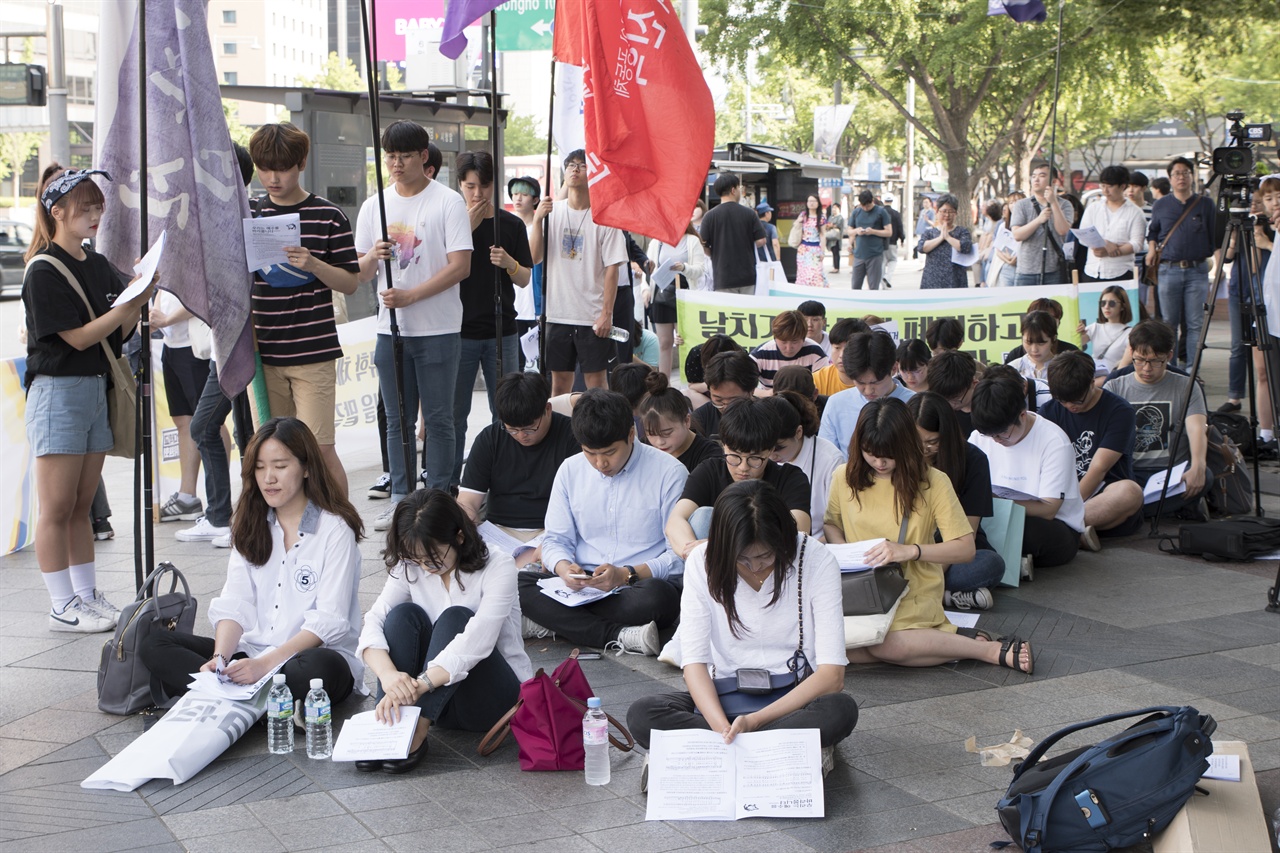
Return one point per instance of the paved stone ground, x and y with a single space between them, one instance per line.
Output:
1119 630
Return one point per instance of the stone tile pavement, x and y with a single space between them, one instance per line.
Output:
1118 630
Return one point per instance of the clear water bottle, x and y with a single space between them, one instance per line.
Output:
595 742
319 722
619 334
279 717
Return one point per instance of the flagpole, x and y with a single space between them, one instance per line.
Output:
397 345
546 223
497 238
144 544
1057 77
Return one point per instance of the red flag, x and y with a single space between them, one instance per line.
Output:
567 32
650 122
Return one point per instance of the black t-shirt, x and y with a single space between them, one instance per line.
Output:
730 232
1109 424
712 477
476 289
965 419
52 306
707 417
517 478
975 491
702 449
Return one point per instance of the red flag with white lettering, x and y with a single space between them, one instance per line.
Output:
567 33
650 122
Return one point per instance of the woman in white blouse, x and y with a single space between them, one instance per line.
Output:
739 615
292 581
1121 224
445 632
688 275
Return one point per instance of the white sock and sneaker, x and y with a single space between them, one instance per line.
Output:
637 640
204 531
76 606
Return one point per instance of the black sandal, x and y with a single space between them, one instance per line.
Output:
1016 645
979 634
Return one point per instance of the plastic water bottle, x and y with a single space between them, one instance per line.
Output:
319 722
279 717
595 742
619 334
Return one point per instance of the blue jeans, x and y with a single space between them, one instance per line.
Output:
700 521
1183 294
480 354
984 570
206 431
430 372
1023 279
473 704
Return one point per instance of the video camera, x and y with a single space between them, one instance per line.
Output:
1235 163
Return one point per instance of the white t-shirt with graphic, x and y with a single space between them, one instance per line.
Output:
425 228
1042 465
579 251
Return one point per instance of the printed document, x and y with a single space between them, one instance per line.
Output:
217 684
1089 237
556 588
265 238
145 270
1151 491
363 738
852 556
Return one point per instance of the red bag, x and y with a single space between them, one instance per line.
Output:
547 720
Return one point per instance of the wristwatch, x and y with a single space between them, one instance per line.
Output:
426 682
632 575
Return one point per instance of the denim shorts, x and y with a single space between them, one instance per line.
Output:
68 415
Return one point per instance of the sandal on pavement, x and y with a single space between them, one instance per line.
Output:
1016 645
979 634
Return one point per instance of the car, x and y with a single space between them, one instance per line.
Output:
15 237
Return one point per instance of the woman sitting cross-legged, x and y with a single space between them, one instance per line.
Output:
292 581
445 632
886 479
739 611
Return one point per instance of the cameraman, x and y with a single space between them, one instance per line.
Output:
1239 289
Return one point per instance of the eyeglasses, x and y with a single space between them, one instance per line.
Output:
398 159
753 462
1149 362
1110 303
576 167
433 566
525 432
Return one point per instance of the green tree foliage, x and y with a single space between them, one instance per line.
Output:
521 136
239 133
15 150
337 73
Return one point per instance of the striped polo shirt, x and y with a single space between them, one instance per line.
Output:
770 360
292 309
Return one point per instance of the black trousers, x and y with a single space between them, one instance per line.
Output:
833 715
172 657
594 625
1049 542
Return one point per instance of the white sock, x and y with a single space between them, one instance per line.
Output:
60 588
1267 434
84 577
186 497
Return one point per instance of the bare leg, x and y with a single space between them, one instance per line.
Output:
666 333
599 379
1113 505
331 461
65 484
561 382
931 647
188 455
1265 418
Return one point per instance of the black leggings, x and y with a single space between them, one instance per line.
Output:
172 658
598 623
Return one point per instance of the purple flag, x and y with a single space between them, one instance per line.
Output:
194 188
1022 11
459 15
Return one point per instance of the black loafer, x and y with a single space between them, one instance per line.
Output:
369 766
404 765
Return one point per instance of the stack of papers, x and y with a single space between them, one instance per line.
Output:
1151 491
1089 237
363 738
504 541
1224 767
217 684
556 588
852 556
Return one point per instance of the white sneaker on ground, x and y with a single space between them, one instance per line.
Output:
644 775
1028 569
1089 540
223 541
637 640
380 489
978 599
203 531
178 509
531 630
102 607
828 760
383 521
79 618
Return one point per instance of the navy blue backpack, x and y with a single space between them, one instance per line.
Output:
1117 792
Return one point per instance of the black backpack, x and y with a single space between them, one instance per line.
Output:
1235 427
1242 538
1117 792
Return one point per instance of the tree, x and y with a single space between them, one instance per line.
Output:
521 136
239 133
337 73
15 150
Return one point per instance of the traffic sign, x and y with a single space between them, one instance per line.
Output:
525 24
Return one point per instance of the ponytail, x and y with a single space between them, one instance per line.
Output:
46 226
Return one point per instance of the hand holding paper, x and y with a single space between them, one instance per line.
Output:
145 270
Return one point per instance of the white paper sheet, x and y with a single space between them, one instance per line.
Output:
1151 491
1012 494
363 738
216 685
504 541
529 342
852 556
1089 237
962 619
557 589
663 274
1004 242
965 260
889 327
1224 767
144 270
694 775
265 238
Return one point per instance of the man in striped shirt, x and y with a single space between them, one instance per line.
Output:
789 345
293 302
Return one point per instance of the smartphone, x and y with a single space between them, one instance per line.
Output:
580 577
588 656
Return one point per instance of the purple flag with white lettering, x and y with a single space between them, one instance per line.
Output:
458 15
1022 11
195 190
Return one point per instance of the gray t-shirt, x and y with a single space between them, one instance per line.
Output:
1031 250
1155 408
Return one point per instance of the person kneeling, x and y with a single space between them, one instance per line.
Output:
445 632
739 612
292 581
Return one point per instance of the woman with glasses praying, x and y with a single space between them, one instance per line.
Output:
445 632
888 491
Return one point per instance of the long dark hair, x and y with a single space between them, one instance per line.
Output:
794 412
932 412
885 429
744 514
426 523
250 533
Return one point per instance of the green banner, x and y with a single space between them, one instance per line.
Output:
525 24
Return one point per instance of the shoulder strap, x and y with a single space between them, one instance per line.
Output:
1053 235
75 285
902 530
1192 204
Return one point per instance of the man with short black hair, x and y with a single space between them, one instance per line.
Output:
870 228
605 519
730 376
815 318
1136 191
1040 223
1032 464
789 345
871 360
832 379
1100 426
954 375
731 234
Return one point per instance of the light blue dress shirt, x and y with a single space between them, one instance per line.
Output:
841 414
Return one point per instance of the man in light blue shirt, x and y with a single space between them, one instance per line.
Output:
871 359
604 531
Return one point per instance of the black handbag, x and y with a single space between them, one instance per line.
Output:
874 591
125 685
735 702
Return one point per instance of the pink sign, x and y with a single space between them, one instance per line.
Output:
402 20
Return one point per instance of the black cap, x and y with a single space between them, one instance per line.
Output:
528 179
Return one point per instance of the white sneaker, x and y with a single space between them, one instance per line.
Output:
223 541
1089 540
102 607
531 630
383 521
978 599
203 531
79 618
381 488
828 760
1028 568
637 640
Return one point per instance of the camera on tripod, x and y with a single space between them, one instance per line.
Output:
1234 164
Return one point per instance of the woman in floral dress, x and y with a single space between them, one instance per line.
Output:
808 246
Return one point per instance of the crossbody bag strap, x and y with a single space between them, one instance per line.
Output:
902 530
75 285
800 661
1053 235
1192 204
